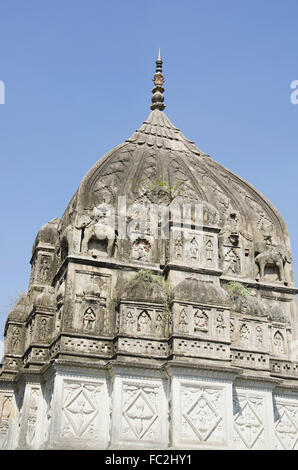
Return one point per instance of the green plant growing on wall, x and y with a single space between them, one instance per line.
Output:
159 188
236 289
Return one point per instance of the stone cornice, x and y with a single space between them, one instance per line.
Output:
105 262
190 269
262 285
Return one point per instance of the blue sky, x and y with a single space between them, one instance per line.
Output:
78 79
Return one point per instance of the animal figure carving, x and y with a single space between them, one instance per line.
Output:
96 227
273 256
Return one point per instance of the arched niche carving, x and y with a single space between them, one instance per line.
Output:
144 322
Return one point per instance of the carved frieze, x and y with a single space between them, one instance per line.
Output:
201 321
150 321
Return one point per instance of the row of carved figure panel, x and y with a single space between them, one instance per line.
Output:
257 335
234 247
204 414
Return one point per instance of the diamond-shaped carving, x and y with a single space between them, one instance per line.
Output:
139 414
286 431
202 417
248 425
80 412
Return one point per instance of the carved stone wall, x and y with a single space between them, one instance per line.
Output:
161 310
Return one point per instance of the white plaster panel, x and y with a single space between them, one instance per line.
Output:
252 418
286 421
201 412
140 411
80 412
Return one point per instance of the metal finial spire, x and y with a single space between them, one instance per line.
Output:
158 98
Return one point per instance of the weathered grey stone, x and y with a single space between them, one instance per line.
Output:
181 336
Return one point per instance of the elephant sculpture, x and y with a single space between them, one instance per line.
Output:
274 256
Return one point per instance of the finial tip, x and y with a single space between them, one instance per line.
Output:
157 98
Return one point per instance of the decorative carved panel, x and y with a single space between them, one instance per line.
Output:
249 421
81 406
286 422
141 413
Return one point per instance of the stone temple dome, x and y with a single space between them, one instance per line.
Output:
161 310
158 164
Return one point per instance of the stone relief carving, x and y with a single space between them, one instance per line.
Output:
89 319
140 419
130 320
105 184
99 236
178 252
187 191
278 343
44 268
231 261
16 338
245 333
209 251
183 321
220 324
248 421
152 322
159 324
43 328
59 304
81 405
148 191
144 322
6 411
91 301
201 321
286 424
274 256
141 249
202 409
32 416
259 335
239 224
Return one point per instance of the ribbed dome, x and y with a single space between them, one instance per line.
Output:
158 151
159 165
158 131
